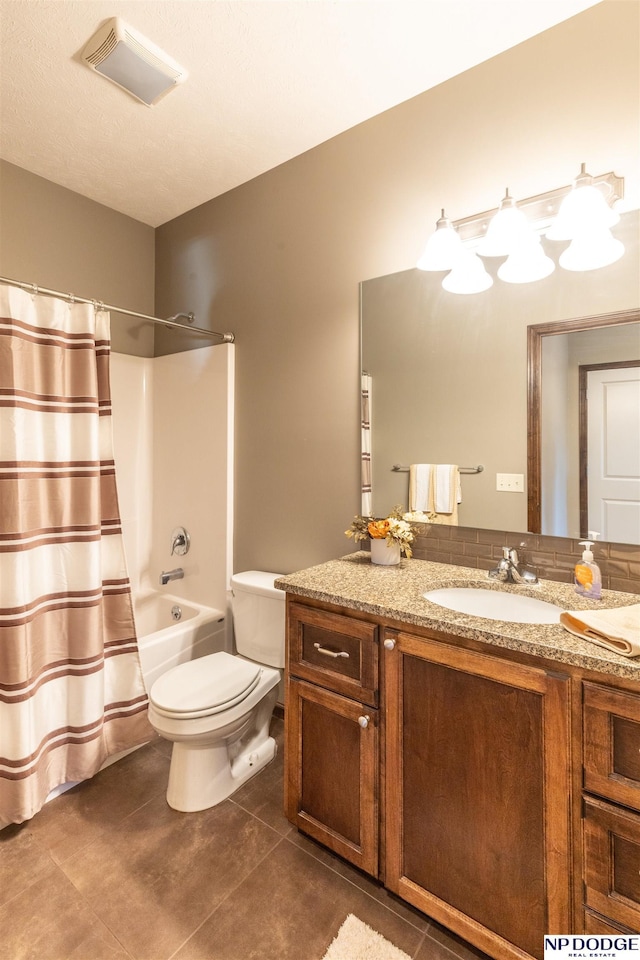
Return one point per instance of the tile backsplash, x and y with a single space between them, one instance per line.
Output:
552 558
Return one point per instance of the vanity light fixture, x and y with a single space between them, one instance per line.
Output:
583 209
445 251
508 229
511 235
442 247
526 263
595 248
586 219
581 213
468 274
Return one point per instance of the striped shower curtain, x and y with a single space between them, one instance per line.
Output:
365 405
71 687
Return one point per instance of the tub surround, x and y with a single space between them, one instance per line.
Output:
169 474
395 593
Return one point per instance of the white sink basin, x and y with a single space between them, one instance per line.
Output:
495 605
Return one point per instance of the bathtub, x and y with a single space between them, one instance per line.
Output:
171 631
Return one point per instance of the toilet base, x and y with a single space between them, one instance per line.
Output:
200 778
203 773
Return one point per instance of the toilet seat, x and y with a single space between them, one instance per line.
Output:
204 686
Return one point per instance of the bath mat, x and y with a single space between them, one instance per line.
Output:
357 941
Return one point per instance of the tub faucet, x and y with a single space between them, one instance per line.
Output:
167 575
507 570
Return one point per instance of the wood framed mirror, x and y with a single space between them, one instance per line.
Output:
535 418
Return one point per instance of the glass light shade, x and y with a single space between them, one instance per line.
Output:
443 247
508 228
528 262
468 275
591 250
585 208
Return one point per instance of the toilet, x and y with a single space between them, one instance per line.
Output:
217 709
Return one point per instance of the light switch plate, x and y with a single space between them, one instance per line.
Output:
511 482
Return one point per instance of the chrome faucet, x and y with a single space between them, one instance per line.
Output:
167 575
507 570
180 541
177 542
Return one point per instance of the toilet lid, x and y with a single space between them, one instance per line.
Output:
204 686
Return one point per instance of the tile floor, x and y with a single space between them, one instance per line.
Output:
108 871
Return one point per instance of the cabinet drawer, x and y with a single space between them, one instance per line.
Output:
337 652
611 858
612 744
593 923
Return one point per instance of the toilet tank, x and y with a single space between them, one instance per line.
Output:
258 617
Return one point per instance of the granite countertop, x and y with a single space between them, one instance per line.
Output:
395 592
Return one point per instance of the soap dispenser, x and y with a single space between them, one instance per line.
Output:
588 578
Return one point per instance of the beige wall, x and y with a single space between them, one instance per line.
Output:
278 260
58 239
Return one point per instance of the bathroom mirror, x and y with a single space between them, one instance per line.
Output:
449 374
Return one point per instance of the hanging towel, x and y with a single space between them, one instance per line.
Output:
447 493
434 493
421 488
617 629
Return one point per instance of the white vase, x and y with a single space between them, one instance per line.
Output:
384 552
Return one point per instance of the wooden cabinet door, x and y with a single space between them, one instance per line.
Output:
612 862
331 771
477 793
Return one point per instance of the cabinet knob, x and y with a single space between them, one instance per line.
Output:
389 644
364 721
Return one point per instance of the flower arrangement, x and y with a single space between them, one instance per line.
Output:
393 529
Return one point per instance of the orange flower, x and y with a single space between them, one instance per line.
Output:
584 576
378 529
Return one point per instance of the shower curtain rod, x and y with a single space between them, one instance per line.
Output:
224 337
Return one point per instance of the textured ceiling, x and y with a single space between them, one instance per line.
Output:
268 80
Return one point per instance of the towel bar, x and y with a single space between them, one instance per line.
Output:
398 468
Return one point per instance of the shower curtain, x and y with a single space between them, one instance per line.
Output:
71 687
365 406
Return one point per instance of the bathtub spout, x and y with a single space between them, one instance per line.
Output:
167 575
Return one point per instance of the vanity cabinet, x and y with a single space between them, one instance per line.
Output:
611 807
477 786
497 792
332 732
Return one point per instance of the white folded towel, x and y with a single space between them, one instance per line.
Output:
420 487
616 629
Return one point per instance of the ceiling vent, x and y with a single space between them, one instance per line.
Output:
127 58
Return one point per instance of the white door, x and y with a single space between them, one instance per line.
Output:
613 432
